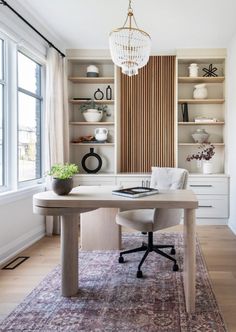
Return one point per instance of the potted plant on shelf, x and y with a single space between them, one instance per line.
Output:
205 154
62 174
92 111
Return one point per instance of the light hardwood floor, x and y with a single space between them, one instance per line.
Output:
218 244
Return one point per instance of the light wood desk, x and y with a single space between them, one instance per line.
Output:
83 199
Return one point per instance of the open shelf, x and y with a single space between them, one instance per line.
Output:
103 101
93 144
218 79
217 123
201 101
198 144
91 80
80 123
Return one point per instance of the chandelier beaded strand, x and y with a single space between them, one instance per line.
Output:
130 46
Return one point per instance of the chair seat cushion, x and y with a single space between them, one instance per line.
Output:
140 220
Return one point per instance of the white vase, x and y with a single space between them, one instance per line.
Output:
93 115
193 70
207 167
200 91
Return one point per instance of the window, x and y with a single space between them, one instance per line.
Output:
29 119
21 105
1 114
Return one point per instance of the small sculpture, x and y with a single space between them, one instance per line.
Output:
209 72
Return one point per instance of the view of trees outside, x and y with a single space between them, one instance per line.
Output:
29 115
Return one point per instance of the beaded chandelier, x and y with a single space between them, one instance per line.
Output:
129 46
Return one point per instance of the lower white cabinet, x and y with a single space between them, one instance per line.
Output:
212 191
213 196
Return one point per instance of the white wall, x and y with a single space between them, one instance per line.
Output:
19 227
231 129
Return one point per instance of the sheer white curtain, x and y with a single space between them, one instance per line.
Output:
56 119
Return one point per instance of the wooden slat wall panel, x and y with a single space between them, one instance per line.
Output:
147 119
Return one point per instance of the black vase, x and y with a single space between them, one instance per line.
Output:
62 186
184 108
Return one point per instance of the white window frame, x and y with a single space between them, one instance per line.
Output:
26 183
11 121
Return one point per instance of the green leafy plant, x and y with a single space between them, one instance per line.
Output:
63 171
91 104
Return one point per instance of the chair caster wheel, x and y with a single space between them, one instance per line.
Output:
139 274
175 267
172 252
121 259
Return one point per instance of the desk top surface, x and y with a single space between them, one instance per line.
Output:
101 197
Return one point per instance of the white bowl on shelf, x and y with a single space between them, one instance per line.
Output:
93 115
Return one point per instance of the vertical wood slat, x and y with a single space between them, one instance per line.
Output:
148 116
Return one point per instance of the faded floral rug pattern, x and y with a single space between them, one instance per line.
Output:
111 298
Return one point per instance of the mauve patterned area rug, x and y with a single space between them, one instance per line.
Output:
111 298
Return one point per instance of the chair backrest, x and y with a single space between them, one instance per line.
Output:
167 178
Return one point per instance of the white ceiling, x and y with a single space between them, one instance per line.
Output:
171 23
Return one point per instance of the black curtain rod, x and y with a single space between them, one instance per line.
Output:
3 2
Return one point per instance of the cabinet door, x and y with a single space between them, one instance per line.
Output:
94 181
130 181
213 206
209 186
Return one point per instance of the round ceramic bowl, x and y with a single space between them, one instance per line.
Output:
93 115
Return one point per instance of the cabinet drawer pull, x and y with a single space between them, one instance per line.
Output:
201 185
205 206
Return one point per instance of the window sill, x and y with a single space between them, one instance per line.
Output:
16 195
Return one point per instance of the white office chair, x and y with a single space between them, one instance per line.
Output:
151 220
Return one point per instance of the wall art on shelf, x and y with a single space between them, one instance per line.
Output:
210 71
85 158
98 94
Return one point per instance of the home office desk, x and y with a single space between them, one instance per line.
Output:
84 199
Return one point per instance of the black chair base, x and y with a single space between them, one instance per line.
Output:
149 247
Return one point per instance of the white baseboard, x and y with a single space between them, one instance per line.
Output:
21 243
233 228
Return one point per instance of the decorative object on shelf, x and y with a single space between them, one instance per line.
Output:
108 93
184 108
205 155
84 139
129 46
93 112
101 134
205 119
193 70
98 94
91 154
200 136
92 71
62 182
83 98
200 91
211 71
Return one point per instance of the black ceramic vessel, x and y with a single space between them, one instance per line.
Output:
62 186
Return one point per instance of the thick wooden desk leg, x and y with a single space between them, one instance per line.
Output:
189 259
69 255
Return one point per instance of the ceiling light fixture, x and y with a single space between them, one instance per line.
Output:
129 46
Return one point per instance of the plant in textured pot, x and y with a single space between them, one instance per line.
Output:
92 111
62 175
205 154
